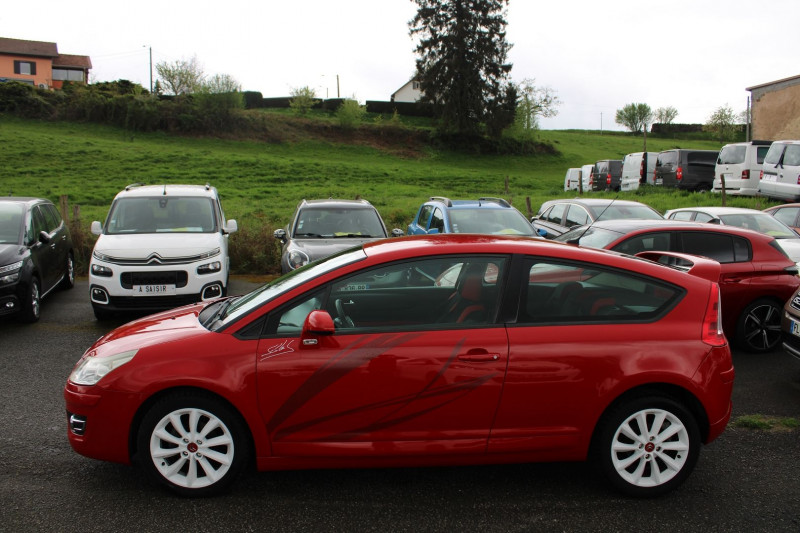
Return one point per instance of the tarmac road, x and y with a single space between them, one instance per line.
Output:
748 480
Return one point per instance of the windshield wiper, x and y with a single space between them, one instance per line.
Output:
351 235
315 235
220 313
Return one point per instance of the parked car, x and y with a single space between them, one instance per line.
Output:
637 169
538 352
559 216
780 173
686 169
739 164
36 255
607 174
790 326
757 277
752 219
572 179
789 214
161 246
320 228
484 215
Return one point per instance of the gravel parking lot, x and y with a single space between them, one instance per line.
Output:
746 480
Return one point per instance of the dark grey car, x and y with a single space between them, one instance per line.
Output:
36 255
691 170
607 175
320 228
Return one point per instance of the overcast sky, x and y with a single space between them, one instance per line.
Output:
694 55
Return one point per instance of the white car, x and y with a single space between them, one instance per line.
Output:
637 169
572 179
780 173
162 246
739 164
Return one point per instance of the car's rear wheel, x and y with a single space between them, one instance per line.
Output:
648 446
32 304
759 327
193 444
69 273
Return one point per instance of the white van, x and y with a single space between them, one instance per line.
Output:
586 176
637 168
739 164
572 179
162 246
780 173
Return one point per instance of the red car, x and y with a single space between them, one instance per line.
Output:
538 351
757 276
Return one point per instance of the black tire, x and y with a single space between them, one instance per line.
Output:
650 461
69 275
759 327
32 302
188 465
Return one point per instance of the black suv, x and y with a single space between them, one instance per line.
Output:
320 228
36 255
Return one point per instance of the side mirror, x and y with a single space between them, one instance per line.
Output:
97 228
44 237
280 234
317 324
231 226
397 232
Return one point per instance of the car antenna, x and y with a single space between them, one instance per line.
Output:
577 239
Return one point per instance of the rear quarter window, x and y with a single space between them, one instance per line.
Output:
719 247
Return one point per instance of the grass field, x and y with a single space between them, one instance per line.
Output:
261 183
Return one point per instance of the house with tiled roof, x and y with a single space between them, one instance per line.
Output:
39 63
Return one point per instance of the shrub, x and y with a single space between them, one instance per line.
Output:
350 114
303 99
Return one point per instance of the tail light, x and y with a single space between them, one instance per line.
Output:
746 174
608 179
679 173
591 178
761 175
712 321
641 169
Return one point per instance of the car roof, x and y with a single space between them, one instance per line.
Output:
592 202
717 210
27 200
483 202
331 202
626 226
140 190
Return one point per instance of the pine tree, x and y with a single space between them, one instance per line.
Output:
462 66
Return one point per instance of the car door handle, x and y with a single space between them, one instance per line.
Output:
479 357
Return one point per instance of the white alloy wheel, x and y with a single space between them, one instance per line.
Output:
192 448
650 448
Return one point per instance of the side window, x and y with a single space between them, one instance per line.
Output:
437 220
715 246
787 215
682 215
51 217
35 225
661 242
761 153
791 157
579 293
443 292
576 216
424 216
702 217
288 320
556 214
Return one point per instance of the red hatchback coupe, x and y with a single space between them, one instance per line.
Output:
756 280
537 351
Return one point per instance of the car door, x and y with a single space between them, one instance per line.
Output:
44 254
59 243
420 224
415 366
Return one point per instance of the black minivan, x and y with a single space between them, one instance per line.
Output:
686 169
607 175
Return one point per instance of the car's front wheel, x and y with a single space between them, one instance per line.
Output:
648 446
69 273
193 444
759 328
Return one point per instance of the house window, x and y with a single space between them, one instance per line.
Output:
25 67
415 85
64 74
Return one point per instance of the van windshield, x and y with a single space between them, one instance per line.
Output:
160 214
731 155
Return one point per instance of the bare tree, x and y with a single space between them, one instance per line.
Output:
722 122
181 76
535 102
222 83
665 115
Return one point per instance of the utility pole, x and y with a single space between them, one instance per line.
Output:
151 69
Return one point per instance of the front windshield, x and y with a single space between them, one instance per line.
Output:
592 237
760 222
161 214
10 222
616 212
247 303
490 221
333 222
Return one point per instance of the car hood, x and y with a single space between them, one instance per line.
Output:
153 329
319 248
10 253
166 245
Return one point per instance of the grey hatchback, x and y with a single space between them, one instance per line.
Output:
320 228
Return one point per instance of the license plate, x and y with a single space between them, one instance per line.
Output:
659 181
795 327
153 290
770 177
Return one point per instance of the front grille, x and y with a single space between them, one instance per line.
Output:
155 259
179 278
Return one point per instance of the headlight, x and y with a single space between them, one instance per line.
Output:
13 276
297 259
100 270
100 256
11 267
209 268
92 369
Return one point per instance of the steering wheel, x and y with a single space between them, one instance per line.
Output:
342 319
